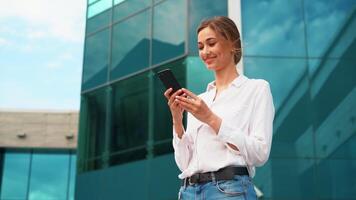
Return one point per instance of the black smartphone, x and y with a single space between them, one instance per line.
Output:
168 80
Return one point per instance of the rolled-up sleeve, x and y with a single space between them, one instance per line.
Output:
182 150
254 142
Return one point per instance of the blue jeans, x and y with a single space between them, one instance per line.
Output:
239 188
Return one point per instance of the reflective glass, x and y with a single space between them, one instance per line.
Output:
96 59
287 179
15 175
73 165
129 7
129 116
130 47
334 114
330 25
198 76
94 124
198 11
98 7
278 32
49 176
91 1
99 21
169 30
162 116
336 178
289 83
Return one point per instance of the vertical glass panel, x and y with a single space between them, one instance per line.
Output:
99 21
129 7
96 59
289 83
95 121
129 119
49 175
274 179
98 7
169 30
333 90
198 11
279 31
130 47
73 165
198 76
330 25
14 181
162 116
335 178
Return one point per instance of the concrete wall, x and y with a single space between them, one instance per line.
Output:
39 129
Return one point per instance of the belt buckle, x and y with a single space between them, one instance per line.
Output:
189 182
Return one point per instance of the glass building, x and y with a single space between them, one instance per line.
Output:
38 154
35 174
305 49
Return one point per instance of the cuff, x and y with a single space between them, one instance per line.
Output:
229 133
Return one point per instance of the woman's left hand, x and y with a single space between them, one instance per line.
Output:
198 108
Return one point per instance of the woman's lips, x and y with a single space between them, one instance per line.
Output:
209 60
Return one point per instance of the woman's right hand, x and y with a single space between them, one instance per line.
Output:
176 110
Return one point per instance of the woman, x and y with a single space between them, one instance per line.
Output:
229 129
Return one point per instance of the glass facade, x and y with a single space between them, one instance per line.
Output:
125 125
37 174
304 48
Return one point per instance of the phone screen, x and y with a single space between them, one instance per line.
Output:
168 79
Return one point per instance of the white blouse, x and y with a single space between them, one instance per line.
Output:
247 112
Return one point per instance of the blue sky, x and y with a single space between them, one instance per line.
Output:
41 53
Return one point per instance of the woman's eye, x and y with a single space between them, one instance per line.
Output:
211 44
200 47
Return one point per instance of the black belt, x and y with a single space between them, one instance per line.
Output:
226 173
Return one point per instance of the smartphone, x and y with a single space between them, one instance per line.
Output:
168 80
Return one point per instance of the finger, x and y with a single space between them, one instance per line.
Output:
191 94
172 97
186 106
186 100
167 92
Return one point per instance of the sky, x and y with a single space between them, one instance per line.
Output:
41 54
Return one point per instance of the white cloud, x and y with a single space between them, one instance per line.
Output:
62 19
4 42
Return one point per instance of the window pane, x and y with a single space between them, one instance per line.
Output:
169 30
274 179
334 115
130 117
49 176
15 174
73 164
198 76
289 83
97 22
330 26
130 47
199 10
95 123
162 116
279 31
336 178
96 59
130 7
98 7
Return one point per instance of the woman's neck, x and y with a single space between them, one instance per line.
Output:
224 77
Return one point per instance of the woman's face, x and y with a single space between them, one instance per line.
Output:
214 49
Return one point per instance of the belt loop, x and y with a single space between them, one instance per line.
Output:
185 183
213 178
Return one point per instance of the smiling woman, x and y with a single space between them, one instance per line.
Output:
229 127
